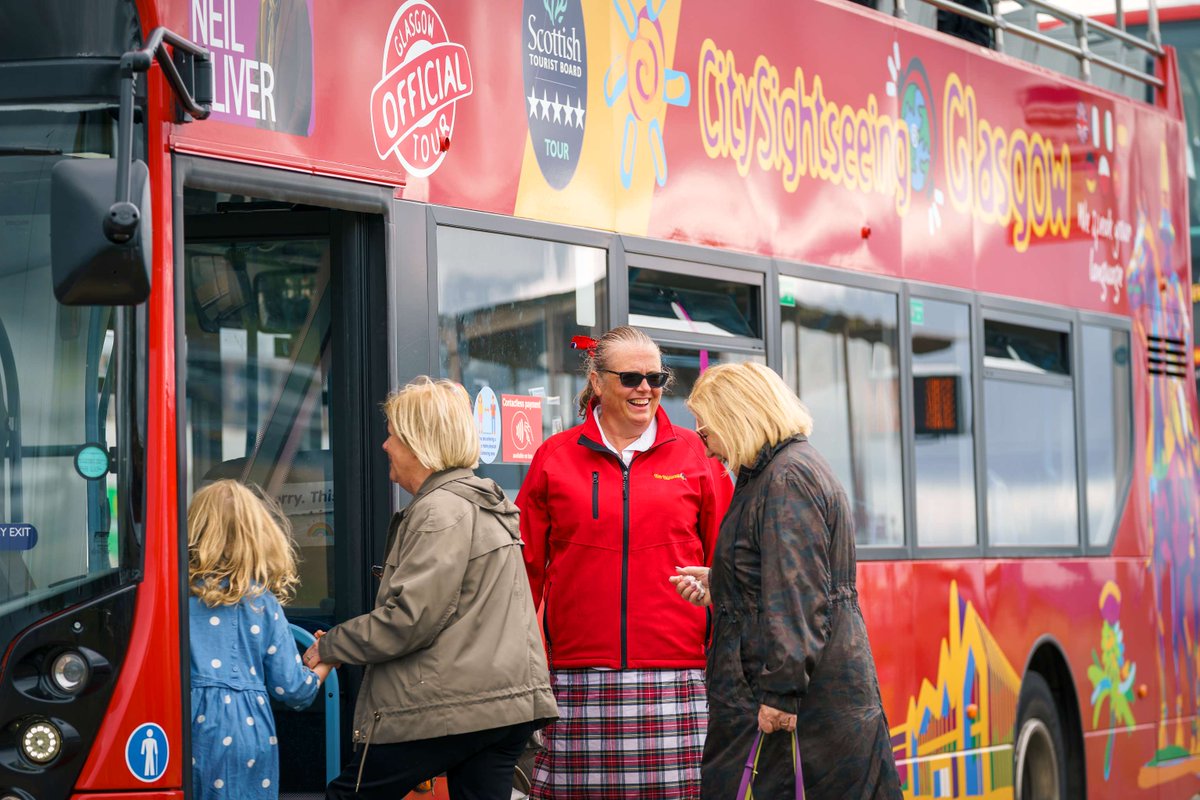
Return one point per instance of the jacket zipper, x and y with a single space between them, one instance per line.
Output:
546 626
599 448
624 565
366 747
595 495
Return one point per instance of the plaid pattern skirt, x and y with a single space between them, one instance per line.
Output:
623 734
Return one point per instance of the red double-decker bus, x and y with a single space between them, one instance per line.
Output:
229 226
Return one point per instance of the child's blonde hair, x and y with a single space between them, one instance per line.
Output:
239 544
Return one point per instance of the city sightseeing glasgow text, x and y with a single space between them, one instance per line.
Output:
998 176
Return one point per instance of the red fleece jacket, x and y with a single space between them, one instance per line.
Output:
601 539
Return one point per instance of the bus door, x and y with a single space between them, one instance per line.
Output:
281 391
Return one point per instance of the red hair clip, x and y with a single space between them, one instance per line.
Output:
584 343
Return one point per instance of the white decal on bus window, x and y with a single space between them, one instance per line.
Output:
487 422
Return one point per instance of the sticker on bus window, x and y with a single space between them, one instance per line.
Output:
916 312
91 461
17 536
787 291
487 422
147 752
522 422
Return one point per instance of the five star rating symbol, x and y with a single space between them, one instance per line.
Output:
562 111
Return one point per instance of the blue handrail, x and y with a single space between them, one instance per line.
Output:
333 720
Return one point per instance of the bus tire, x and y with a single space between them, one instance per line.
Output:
1039 753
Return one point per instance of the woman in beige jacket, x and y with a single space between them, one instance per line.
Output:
456 676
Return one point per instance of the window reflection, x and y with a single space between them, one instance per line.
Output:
257 382
686 365
1108 417
944 439
507 309
840 348
690 304
1025 349
1031 487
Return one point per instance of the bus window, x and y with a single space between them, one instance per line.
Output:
258 365
686 364
840 354
65 383
674 301
944 435
1029 434
1108 427
507 309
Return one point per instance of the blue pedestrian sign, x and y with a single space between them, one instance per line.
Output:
147 752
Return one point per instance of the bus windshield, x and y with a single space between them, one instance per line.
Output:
66 408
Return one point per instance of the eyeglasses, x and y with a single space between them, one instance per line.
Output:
703 436
632 380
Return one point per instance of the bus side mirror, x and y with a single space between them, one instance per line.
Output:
89 268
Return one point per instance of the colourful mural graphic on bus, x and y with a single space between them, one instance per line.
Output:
1162 311
912 87
956 740
1111 675
643 79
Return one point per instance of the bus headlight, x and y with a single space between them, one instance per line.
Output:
41 741
69 672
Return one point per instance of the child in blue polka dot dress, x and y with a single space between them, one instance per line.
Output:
241 563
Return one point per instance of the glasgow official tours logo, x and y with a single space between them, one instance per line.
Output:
424 76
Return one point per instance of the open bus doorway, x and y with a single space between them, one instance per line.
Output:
278 386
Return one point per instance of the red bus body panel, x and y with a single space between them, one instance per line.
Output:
149 686
1031 185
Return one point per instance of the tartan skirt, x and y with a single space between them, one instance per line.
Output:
623 734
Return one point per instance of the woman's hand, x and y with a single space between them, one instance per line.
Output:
692 585
772 719
312 656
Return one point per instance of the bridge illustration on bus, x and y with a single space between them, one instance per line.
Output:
231 227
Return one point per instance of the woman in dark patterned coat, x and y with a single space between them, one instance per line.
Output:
789 649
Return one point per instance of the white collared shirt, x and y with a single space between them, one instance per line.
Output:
638 445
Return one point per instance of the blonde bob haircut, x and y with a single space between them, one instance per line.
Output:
239 544
435 420
747 406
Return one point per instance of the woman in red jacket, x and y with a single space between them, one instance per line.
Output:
608 511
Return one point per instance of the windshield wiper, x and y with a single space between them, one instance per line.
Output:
7 150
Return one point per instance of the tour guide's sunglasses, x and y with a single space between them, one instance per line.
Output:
632 380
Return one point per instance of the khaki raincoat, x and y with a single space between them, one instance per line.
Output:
453 644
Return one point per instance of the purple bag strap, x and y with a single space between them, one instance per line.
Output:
746 789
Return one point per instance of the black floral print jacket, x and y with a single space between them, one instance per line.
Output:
788 633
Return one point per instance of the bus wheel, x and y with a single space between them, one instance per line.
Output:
1039 755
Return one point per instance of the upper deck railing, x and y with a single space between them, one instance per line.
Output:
1127 62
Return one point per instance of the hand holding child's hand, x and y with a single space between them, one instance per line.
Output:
312 656
312 659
